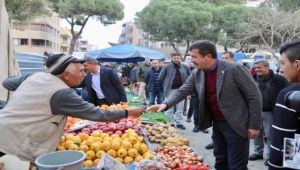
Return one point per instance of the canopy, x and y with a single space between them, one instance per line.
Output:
237 56
125 53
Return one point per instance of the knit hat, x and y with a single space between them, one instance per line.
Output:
57 63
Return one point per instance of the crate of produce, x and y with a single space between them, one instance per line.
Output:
164 134
180 158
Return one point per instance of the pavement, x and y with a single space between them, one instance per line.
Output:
199 140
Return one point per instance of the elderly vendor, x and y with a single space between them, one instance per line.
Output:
33 120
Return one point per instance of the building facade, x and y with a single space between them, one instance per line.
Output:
65 40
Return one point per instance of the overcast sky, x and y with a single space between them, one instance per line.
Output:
99 35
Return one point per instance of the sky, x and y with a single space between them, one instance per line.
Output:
100 35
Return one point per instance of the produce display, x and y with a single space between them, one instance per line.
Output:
135 99
155 117
114 107
118 127
151 165
164 134
125 148
125 142
180 157
176 141
70 122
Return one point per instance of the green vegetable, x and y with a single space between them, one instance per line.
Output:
156 117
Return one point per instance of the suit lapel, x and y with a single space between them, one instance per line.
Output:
220 77
89 80
101 77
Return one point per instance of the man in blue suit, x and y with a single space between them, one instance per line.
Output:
102 84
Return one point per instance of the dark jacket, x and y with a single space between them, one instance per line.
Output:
286 123
142 71
168 73
269 87
111 87
150 79
238 97
133 74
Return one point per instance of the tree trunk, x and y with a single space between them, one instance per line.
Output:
187 49
174 47
72 45
75 36
225 47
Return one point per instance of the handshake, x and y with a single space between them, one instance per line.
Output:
138 111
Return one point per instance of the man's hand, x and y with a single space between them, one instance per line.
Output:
189 97
157 108
252 133
135 111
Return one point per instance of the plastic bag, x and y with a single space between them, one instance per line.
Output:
151 165
109 163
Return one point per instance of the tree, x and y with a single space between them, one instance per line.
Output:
78 12
268 29
226 19
26 10
175 21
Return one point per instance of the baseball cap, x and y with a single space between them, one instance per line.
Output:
57 63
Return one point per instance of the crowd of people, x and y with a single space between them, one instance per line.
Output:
239 104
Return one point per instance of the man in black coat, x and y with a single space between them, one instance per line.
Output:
269 85
103 84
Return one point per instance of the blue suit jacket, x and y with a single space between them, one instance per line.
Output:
111 87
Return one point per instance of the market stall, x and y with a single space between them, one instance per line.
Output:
125 53
146 142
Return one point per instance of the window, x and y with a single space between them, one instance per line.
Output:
20 41
36 27
41 27
38 42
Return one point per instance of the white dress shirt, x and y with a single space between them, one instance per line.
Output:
96 84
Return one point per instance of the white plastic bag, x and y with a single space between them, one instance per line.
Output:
109 163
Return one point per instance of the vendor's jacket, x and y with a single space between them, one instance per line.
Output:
32 122
39 131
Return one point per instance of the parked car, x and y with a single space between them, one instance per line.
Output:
30 63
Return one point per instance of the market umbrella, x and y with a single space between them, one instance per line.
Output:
125 53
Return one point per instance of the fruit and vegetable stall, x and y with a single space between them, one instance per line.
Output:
129 142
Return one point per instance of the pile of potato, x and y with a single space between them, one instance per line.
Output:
159 132
165 135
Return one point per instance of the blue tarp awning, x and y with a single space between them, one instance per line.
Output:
237 56
124 53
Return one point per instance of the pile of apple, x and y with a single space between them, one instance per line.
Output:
118 127
125 148
180 157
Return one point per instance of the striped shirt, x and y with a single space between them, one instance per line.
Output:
286 124
157 83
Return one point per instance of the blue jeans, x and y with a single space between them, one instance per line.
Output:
194 109
156 93
230 149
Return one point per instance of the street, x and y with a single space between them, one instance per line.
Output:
199 140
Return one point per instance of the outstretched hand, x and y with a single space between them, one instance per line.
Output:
135 111
157 108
